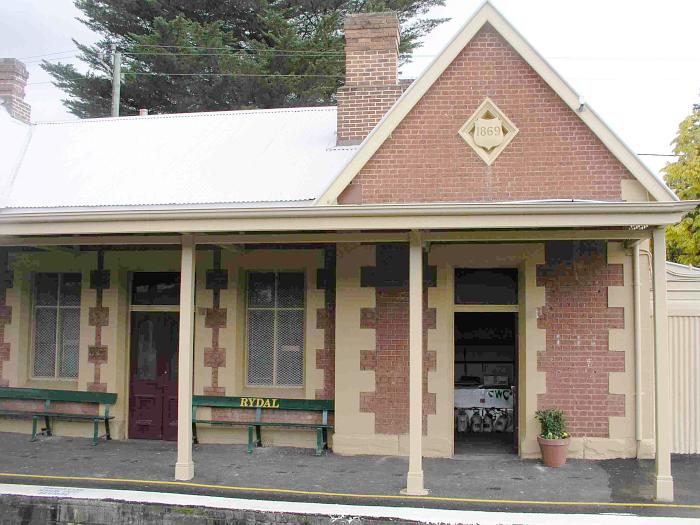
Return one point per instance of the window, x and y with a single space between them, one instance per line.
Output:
155 288
275 321
486 286
56 325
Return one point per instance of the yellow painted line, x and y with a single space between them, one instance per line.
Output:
298 492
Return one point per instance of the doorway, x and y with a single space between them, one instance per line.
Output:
153 375
485 379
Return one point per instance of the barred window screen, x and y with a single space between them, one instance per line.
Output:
56 325
275 328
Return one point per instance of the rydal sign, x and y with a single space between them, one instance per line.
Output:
259 402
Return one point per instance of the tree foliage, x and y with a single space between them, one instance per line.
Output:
683 239
199 55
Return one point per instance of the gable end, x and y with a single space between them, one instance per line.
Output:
578 157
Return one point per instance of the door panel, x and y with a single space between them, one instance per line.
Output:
153 383
170 415
169 382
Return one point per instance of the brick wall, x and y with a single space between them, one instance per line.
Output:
88 409
360 108
325 320
98 353
371 74
216 320
13 80
577 360
390 359
554 155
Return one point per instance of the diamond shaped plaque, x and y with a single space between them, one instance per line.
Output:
488 131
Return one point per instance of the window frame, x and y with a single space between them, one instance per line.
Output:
57 336
246 288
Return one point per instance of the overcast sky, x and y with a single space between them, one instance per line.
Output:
637 62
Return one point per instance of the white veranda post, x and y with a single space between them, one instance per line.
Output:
662 372
414 479
184 468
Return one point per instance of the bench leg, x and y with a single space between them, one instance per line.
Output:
48 425
34 425
195 440
108 436
250 439
95 431
319 441
258 437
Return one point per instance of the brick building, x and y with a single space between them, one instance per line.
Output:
473 232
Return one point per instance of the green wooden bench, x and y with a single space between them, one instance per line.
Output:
68 396
260 404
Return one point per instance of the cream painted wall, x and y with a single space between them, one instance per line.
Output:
524 257
233 338
621 442
116 336
354 430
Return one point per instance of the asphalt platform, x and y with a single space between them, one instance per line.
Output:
498 482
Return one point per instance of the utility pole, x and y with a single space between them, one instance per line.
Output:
116 79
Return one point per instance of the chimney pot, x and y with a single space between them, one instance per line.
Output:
13 81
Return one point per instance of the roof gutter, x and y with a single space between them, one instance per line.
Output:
352 217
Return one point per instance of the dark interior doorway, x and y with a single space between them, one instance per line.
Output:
153 375
486 375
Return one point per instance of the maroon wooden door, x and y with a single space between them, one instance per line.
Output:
153 383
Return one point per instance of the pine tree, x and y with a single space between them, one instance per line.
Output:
197 55
683 239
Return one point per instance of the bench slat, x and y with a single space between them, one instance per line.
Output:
269 404
266 403
68 396
230 423
66 415
261 424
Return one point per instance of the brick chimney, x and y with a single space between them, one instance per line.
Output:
13 80
371 74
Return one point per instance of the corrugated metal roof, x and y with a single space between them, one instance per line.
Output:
229 157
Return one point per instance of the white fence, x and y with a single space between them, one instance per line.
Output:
684 345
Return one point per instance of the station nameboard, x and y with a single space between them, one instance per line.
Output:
259 402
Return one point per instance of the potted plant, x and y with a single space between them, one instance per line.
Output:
554 439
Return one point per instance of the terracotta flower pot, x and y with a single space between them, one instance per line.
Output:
553 451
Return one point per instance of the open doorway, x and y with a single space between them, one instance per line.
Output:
485 375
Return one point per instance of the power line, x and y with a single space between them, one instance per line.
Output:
229 50
50 54
158 73
230 75
241 53
33 62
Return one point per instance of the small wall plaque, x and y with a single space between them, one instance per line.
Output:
488 131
